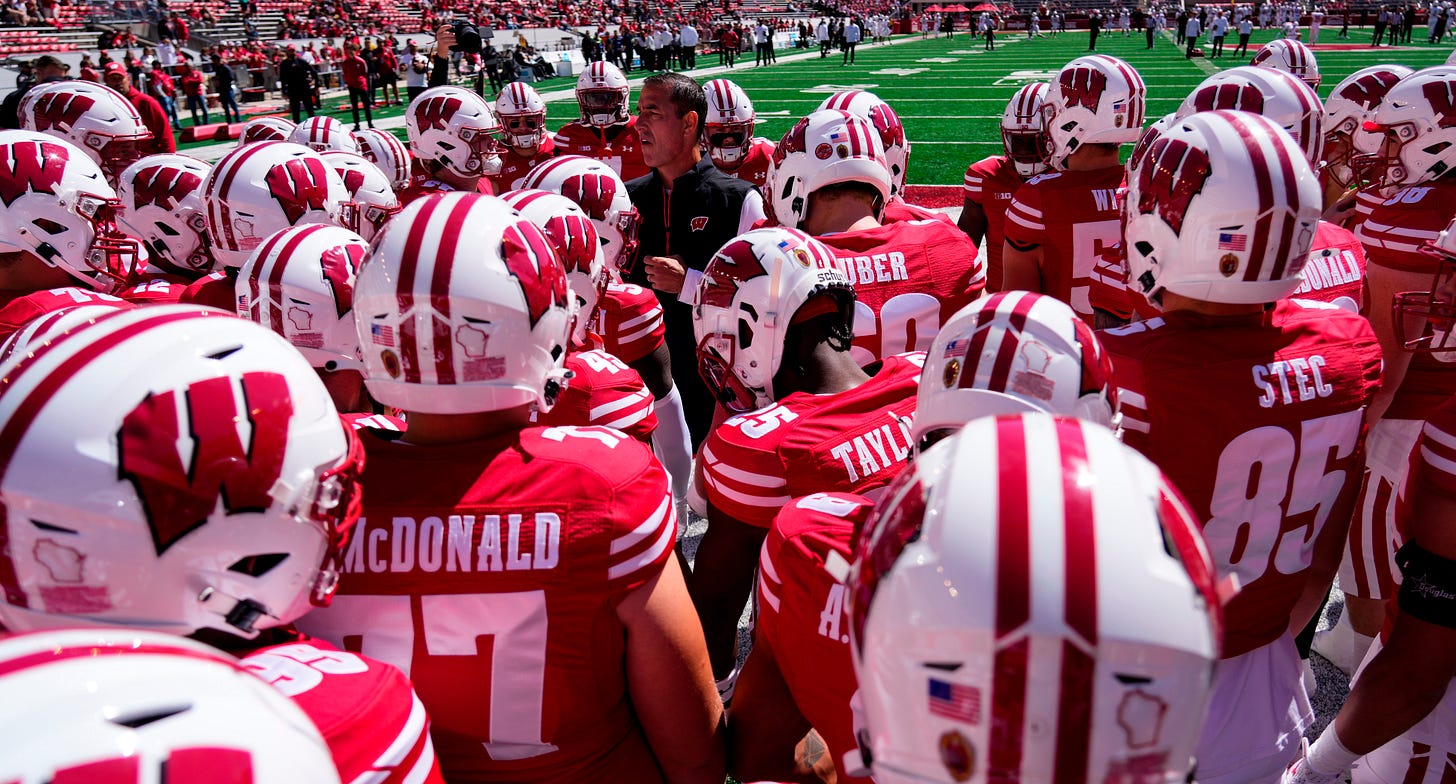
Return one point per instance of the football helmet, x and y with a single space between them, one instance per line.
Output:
256 191
728 128
1276 95
161 205
454 129
1094 99
602 95
167 516
322 133
1023 130
300 284
385 150
574 236
487 334
887 125
1291 57
371 199
752 291
523 114
59 206
1221 208
55 323
1012 352
266 129
1154 130
1425 320
1031 601
1417 120
91 116
826 148
602 195
126 705
1349 104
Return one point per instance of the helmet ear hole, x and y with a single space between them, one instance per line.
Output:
258 565
745 334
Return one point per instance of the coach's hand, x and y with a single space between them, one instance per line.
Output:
665 273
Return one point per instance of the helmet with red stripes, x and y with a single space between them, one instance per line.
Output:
602 195
266 129
1349 105
463 307
523 114
728 127
1094 99
1276 95
256 191
1291 57
1023 130
1154 130
602 94
754 289
300 284
170 517
1011 352
91 116
454 129
1031 601
122 705
887 125
829 147
385 150
1424 319
161 205
1417 118
371 199
1221 208
322 133
54 323
575 238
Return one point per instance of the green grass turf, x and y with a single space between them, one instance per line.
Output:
951 105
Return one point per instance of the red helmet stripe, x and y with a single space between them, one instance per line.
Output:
440 282
1074 730
56 655
409 354
217 204
1013 603
1006 352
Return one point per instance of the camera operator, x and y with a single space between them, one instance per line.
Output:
461 36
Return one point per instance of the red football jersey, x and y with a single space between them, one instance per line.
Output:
755 166
629 322
909 277
897 210
423 184
18 308
376 727
854 441
1259 420
217 289
1394 230
159 289
603 392
515 167
1335 269
804 615
489 572
1074 217
991 183
619 146
1434 461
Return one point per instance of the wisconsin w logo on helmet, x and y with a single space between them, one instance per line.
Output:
1172 175
1443 102
1082 87
164 186
592 192
435 113
1367 91
178 496
300 185
340 265
1242 97
793 141
529 257
733 266
31 167
60 110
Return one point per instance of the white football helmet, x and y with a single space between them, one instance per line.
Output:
161 204
1417 119
91 116
1276 95
887 125
752 291
55 323
385 150
93 705
300 284
322 133
256 191
1031 601
485 334
1221 208
828 147
1023 130
602 95
1012 352
1349 105
728 127
1424 319
147 506
1094 99
1291 57
574 236
602 195
59 206
266 129
1151 134
523 114
371 199
453 128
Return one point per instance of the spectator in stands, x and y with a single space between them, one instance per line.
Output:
167 53
47 68
153 117
222 77
88 70
356 78
24 76
161 87
298 79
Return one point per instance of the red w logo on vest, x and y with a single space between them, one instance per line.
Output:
793 141
31 167
59 110
734 265
340 266
592 192
1439 95
435 113
178 497
300 185
164 186
1082 87
530 258
1174 172
1239 97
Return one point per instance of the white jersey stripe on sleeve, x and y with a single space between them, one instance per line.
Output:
652 523
1437 462
646 557
1012 216
652 315
399 749
714 465
628 337
613 406
744 498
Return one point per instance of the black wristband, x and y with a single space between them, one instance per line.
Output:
1428 587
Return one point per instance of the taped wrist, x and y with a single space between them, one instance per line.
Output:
1428 587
